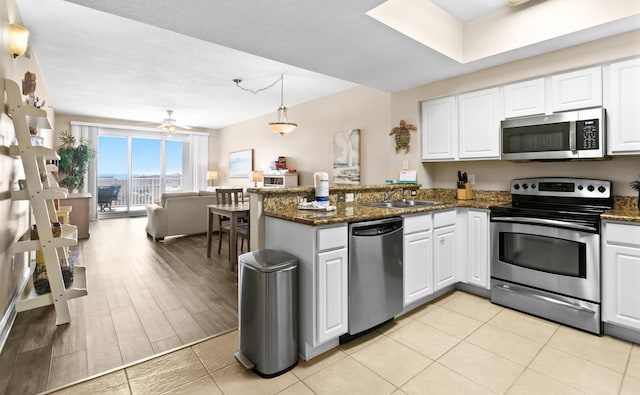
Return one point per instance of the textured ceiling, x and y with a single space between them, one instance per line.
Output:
133 60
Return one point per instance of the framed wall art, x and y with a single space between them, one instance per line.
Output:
240 163
346 157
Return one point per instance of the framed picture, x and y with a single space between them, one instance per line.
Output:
346 157
240 163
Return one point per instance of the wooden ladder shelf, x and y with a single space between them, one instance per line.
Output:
41 191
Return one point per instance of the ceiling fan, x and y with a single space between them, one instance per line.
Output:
170 125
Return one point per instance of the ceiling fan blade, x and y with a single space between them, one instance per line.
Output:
178 125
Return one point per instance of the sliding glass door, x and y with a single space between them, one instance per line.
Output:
143 166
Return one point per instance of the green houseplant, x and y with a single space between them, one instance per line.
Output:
74 160
636 187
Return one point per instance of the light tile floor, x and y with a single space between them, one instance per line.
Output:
459 344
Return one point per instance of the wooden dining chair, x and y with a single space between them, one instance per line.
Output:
227 196
243 232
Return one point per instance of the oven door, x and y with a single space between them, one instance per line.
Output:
553 258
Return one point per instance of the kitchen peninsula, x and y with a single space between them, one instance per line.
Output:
320 240
434 264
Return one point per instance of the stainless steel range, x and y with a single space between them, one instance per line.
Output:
545 249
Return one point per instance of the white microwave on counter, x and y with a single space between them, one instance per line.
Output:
560 136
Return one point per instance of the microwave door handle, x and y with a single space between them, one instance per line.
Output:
544 221
572 137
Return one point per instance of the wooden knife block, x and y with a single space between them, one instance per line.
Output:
466 193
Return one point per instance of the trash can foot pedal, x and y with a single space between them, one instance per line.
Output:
244 361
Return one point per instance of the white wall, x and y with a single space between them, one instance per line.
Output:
492 175
310 147
14 216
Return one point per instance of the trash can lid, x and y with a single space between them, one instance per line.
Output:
269 260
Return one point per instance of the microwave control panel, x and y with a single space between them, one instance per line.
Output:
587 134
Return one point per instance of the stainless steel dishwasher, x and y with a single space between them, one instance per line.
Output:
375 273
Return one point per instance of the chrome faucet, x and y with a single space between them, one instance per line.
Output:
387 194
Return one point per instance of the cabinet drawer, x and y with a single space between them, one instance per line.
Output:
621 233
334 237
444 218
416 223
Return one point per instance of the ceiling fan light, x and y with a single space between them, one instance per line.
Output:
513 3
282 126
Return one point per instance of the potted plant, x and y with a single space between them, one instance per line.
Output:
74 159
636 186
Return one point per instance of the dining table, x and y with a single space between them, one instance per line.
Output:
234 211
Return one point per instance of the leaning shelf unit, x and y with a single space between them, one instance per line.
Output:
41 193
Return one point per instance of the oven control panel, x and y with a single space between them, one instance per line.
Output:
570 187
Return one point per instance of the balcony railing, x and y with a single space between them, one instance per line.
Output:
144 190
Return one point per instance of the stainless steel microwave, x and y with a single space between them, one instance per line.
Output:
567 135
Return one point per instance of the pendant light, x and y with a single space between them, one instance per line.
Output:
282 125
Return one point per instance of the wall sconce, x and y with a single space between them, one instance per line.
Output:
213 176
18 40
256 177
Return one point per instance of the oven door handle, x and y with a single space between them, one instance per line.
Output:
535 295
547 222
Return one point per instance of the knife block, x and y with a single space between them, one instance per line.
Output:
465 193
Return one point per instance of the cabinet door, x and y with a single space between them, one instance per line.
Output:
478 248
479 124
620 279
444 257
524 98
418 266
331 302
577 89
439 129
622 107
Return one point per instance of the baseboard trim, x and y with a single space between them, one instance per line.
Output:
9 316
622 332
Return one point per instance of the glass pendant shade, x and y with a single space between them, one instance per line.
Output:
18 40
282 125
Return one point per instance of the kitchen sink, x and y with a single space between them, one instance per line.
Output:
403 204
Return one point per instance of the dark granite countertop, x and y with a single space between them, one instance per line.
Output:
349 212
625 215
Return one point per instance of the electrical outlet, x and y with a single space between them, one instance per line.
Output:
348 197
405 165
341 197
414 192
472 179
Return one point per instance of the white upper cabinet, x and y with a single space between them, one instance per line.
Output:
439 128
479 116
462 127
623 107
576 89
524 98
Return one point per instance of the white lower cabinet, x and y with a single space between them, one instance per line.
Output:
322 280
477 248
444 249
621 274
418 258
331 299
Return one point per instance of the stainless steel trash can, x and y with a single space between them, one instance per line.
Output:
268 311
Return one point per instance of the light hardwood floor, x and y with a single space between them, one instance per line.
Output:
144 298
